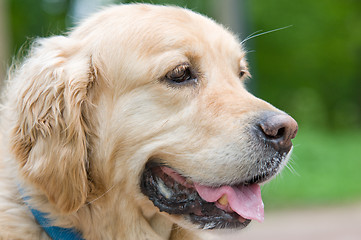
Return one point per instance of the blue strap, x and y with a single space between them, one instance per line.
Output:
55 233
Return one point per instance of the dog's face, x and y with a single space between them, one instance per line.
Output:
162 112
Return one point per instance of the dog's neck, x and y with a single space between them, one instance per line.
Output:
106 220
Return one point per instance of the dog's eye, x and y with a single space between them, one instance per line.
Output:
181 74
242 73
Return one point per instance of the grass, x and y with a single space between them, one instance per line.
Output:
327 170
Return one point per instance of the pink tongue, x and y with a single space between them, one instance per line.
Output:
244 200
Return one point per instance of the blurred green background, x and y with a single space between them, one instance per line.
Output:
312 70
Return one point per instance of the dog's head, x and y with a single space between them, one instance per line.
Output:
150 99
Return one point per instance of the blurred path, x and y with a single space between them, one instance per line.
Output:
330 223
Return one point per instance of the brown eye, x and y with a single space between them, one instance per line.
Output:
242 73
181 74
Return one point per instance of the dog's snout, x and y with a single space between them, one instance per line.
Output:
278 130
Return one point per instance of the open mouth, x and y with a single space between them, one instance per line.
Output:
208 207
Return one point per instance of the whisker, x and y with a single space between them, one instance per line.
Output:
257 34
251 35
291 168
250 51
101 195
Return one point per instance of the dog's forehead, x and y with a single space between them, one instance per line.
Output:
152 29
191 35
189 31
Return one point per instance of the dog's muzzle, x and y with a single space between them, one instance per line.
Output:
223 206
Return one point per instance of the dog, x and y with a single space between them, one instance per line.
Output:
136 125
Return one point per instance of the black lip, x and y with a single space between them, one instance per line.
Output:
185 202
219 222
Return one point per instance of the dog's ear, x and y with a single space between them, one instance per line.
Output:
50 137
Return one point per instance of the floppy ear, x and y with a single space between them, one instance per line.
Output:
51 130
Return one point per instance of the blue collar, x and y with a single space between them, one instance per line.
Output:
55 233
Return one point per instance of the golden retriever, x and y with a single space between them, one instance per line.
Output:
136 125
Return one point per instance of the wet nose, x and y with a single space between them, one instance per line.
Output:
277 130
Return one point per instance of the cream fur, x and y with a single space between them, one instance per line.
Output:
84 113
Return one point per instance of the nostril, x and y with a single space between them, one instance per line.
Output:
280 133
273 134
278 129
272 128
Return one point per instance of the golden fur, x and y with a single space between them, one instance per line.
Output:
83 114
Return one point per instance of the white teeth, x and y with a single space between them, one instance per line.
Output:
163 189
223 200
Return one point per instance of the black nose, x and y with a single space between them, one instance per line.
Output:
277 130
